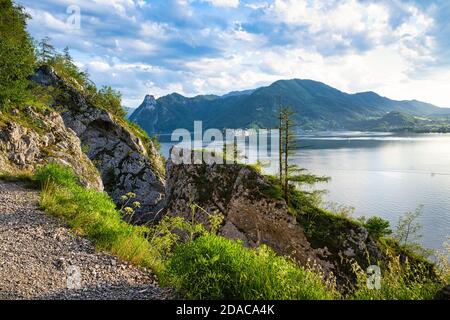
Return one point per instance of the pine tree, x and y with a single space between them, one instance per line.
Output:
291 173
46 50
67 56
17 57
280 147
287 147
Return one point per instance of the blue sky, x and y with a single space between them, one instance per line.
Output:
400 49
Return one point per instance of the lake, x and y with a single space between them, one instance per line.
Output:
382 174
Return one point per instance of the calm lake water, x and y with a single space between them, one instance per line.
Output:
382 174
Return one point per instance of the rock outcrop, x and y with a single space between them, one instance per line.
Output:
238 193
47 139
253 215
124 162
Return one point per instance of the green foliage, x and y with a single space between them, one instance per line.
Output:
22 176
54 173
203 265
377 227
408 234
109 99
69 72
400 280
408 229
16 55
299 199
340 210
212 267
105 98
94 214
45 51
443 261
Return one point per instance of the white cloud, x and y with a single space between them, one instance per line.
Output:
224 3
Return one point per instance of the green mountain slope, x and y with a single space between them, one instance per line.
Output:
317 106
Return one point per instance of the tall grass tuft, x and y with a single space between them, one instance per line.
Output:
399 280
212 267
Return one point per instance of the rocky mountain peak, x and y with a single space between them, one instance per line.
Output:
149 100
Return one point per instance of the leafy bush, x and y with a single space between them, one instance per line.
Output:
212 267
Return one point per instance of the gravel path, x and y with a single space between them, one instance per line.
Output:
40 258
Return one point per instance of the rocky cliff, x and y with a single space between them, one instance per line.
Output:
24 147
237 193
254 216
124 162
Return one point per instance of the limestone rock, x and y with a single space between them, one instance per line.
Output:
47 140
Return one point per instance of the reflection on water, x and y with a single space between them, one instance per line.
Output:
382 174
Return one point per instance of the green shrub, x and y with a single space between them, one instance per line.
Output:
212 267
109 99
377 227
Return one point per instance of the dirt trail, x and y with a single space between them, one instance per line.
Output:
40 258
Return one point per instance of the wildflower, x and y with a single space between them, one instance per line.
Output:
136 204
131 195
128 210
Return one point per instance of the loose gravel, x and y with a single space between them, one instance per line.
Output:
41 258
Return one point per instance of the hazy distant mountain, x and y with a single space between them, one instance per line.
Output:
317 106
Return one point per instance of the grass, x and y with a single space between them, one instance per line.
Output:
212 267
19 176
400 280
93 214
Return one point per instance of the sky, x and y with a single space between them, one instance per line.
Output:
399 49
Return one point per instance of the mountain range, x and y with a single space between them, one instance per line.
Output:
317 106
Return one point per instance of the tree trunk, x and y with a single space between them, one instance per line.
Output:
280 147
286 158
